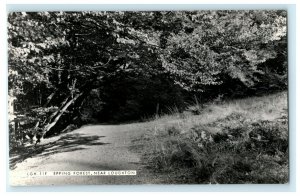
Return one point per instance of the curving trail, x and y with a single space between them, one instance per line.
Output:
90 148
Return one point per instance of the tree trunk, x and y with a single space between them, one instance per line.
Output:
67 102
59 114
59 109
49 98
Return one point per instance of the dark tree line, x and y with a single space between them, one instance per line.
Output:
80 67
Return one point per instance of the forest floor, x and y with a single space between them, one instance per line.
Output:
162 149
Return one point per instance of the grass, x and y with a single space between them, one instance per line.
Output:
231 142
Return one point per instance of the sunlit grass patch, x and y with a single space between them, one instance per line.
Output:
239 141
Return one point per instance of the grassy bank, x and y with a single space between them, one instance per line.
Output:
238 141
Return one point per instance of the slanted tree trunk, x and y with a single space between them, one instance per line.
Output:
58 115
49 98
60 108
70 99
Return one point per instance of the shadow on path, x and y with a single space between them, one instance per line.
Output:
66 143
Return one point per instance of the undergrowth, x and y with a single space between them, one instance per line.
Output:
230 149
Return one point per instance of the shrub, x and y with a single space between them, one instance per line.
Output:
253 152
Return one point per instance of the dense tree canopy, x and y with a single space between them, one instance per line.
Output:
71 67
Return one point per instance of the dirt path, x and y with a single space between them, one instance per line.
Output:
90 148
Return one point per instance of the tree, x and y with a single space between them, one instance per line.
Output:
61 57
59 60
215 43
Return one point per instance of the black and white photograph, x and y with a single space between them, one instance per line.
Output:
148 97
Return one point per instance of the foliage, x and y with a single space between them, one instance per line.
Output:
214 44
132 64
230 149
